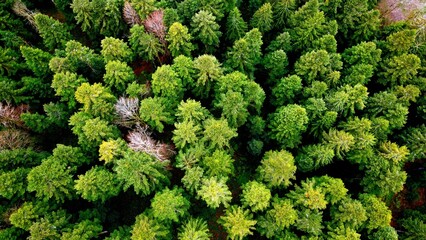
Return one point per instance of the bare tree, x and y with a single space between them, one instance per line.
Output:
11 116
140 140
128 111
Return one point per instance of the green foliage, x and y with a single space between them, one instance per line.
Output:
54 33
118 75
71 156
167 84
144 44
378 214
169 205
237 222
20 157
192 179
194 229
343 233
246 53
340 141
97 184
283 11
235 25
350 213
287 124
277 169
317 64
286 89
154 112
256 196
111 19
276 63
158 129
218 164
262 18
358 22
234 108
206 30
416 142
179 40
148 228
333 188
111 150
51 180
308 24
185 133
37 60
308 196
65 85
207 71
310 221
96 100
282 213
82 58
184 67
416 229
114 49
14 183
97 130
281 42
86 229
217 133
400 69
386 105
315 156
214 192
401 42
386 233
142 172
347 99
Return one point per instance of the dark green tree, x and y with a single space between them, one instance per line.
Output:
206 30
142 172
235 25
287 124
51 180
37 60
263 18
144 44
54 33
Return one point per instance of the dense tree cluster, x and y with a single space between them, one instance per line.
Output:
210 119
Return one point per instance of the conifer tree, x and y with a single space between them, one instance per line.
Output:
54 33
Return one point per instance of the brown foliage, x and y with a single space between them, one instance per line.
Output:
130 15
154 24
14 138
10 116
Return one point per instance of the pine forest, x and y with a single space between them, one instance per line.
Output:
212 119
